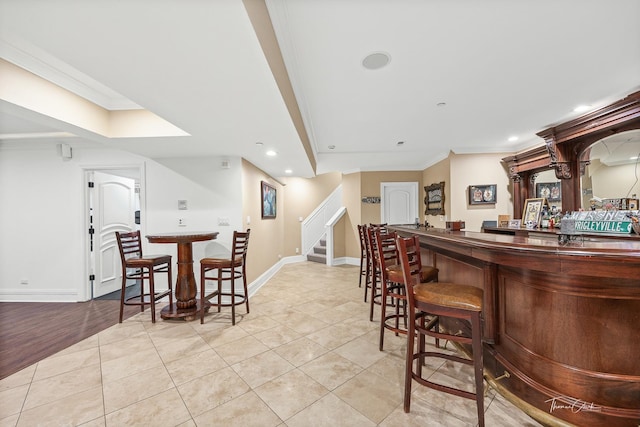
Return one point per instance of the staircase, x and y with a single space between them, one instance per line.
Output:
319 253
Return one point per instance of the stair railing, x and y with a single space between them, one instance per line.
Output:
329 227
314 227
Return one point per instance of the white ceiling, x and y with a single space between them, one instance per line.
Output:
503 68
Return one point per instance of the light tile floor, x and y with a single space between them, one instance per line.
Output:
306 355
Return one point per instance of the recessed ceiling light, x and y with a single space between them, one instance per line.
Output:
376 60
271 153
582 108
399 143
288 171
441 104
331 147
259 144
513 138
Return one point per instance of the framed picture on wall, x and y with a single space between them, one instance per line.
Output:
268 194
549 190
482 194
434 199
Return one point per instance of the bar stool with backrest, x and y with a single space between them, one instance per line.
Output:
440 300
391 293
373 288
373 283
230 270
365 267
144 268
392 284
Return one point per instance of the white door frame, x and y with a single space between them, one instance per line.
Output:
410 187
86 288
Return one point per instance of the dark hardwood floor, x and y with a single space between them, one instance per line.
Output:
32 331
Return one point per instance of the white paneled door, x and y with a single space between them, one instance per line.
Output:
112 205
399 202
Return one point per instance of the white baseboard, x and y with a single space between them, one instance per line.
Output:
64 295
38 295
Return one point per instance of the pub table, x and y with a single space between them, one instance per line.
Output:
185 306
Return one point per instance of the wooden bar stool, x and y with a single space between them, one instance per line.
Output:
391 293
365 262
392 283
144 267
374 287
372 282
441 300
228 269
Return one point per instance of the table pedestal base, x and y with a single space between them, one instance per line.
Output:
172 312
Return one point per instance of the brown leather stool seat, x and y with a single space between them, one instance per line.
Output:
438 301
392 285
427 274
139 267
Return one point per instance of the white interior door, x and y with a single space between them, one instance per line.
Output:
399 202
112 207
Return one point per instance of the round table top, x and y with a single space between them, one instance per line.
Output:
182 237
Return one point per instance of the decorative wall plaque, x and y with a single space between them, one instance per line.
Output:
434 199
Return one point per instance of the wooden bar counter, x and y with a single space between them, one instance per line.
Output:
561 320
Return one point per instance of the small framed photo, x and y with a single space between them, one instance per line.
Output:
482 194
549 190
532 212
268 194
514 223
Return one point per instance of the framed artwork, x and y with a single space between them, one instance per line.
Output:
532 212
513 223
434 199
549 190
482 194
268 194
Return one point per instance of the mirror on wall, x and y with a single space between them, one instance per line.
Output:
613 169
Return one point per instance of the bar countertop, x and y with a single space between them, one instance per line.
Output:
539 252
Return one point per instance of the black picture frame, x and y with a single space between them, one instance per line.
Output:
552 191
483 194
268 203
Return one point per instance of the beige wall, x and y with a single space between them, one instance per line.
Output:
351 196
301 197
478 169
458 172
370 187
266 244
298 197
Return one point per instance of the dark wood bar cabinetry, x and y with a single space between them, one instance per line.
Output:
566 150
561 321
